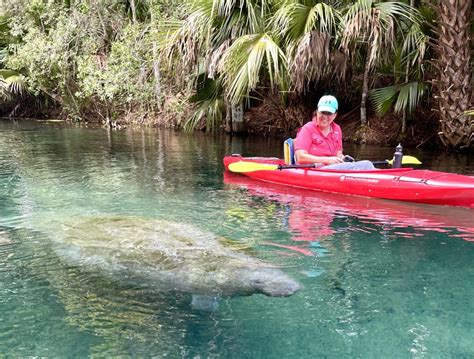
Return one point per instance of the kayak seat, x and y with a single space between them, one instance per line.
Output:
289 151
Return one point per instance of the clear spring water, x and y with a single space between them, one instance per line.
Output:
381 278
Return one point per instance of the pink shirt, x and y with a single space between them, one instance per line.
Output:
310 139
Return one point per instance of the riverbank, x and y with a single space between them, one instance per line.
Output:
269 118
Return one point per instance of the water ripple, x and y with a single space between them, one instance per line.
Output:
380 278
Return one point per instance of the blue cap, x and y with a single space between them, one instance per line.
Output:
328 104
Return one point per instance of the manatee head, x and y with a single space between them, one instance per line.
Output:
269 281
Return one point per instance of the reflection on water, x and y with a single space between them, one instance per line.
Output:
313 216
381 278
389 280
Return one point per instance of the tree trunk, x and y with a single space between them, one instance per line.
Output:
453 86
156 61
365 93
407 73
405 111
235 119
157 73
133 10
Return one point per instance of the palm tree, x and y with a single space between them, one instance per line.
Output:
408 67
208 41
372 26
454 86
308 33
248 44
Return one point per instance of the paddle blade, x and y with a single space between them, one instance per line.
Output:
406 160
410 160
242 167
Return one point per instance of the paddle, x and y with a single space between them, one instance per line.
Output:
406 160
243 166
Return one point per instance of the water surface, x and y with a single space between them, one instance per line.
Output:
381 278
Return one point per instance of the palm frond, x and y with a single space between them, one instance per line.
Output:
187 38
374 23
408 97
11 83
415 44
211 111
293 20
214 58
397 10
383 98
311 59
244 61
404 97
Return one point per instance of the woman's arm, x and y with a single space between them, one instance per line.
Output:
302 156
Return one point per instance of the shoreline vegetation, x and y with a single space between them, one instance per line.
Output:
401 70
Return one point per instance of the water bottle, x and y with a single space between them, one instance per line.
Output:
397 156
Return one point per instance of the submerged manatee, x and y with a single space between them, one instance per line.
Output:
169 256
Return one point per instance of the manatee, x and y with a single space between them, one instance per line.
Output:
5 238
168 256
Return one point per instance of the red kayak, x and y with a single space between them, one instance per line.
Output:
402 184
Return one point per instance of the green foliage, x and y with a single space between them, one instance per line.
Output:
206 89
293 20
211 110
288 45
403 97
407 65
123 76
229 38
308 36
209 104
86 56
5 37
11 83
374 24
114 57
243 63
48 60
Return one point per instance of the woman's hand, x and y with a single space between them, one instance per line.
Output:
333 160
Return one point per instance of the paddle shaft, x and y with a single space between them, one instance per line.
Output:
312 165
285 167
384 162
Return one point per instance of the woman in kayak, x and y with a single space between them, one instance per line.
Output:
320 140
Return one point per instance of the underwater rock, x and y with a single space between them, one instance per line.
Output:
168 256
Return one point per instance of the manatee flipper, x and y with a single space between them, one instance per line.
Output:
206 303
